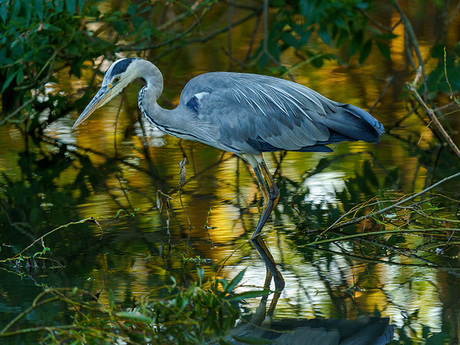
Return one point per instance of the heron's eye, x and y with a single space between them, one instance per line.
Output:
116 79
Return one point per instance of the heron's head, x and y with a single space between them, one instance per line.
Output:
116 78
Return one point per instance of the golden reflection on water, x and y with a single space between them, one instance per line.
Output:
413 291
398 44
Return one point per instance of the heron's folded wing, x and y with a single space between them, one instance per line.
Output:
261 113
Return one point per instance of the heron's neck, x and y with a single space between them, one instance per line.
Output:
152 76
150 93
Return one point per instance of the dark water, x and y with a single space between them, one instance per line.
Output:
150 231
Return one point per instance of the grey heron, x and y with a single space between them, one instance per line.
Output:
246 114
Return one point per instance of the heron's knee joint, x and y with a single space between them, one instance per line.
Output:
274 193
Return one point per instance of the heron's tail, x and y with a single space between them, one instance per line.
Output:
352 123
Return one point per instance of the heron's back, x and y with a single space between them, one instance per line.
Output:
249 113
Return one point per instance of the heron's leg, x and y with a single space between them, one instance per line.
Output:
270 264
272 271
271 195
262 185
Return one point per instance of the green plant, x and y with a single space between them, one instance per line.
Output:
202 312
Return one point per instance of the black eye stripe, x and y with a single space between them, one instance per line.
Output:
121 66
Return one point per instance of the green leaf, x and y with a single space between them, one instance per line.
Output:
356 42
365 51
338 21
20 76
16 9
384 49
81 3
310 11
51 27
59 6
132 9
39 9
4 10
362 5
323 33
306 7
28 11
302 32
235 281
222 282
121 26
8 80
200 272
71 6
134 316
289 39
174 282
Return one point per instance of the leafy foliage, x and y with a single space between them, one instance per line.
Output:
38 41
202 312
63 35
35 42
309 26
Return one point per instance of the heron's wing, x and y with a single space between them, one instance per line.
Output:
256 113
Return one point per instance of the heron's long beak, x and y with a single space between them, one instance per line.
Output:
102 96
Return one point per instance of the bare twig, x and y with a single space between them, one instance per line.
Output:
385 89
384 232
253 38
376 23
210 36
229 35
175 38
191 10
35 304
409 31
453 14
40 239
337 223
435 120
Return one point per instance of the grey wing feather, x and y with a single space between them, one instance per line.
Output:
255 113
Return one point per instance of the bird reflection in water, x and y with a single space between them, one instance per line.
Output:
263 329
